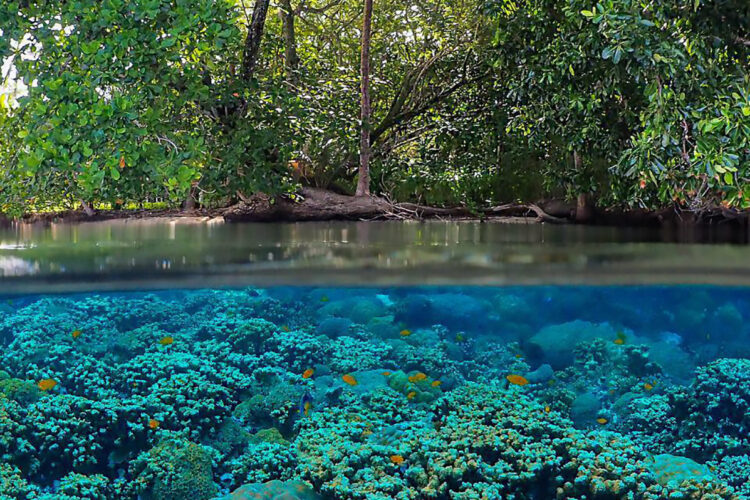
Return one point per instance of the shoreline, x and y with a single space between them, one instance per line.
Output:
322 206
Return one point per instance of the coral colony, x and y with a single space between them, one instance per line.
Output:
419 393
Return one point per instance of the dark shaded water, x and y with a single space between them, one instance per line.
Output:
544 383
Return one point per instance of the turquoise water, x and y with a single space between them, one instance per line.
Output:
449 392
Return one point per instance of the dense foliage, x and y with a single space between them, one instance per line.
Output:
638 103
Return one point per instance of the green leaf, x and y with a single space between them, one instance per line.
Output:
115 173
728 178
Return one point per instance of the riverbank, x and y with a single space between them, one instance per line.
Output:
315 204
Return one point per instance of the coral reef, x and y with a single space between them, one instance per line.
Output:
334 393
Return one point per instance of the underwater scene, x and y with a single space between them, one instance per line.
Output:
525 392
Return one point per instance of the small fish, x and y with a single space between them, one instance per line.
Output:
349 379
436 383
417 377
386 374
411 395
285 328
305 404
460 337
308 373
547 409
621 337
517 379
648 386
167 340
47 384
618 341
324 298
601 420
153 423
76 334
519 356
405 333
397 459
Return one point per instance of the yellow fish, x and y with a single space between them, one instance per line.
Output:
285 328
308 373
648 386
166 340
417 377
76 334
547 409
411 395
517 379
153 423
405 333
47 384
620 340
601 421
436 383
349 379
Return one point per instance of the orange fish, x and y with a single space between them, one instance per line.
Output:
166 340
601 421
308 373
153 423
417 377
648 386
619 341
519 356
349 379
397 459
436 383
405 333
285 328
517 380
76 334
47 384
411 395
386 374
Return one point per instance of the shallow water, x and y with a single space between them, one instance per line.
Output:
537 389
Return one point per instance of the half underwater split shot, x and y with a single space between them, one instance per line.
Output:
366 391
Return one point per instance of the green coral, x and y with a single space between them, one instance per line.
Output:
174 469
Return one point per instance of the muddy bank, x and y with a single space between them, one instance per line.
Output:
314 204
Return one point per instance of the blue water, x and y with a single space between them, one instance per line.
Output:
376 393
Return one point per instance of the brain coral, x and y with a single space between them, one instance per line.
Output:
174 469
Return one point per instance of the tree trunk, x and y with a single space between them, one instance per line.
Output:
254 36
584 210
363 182
189 203
87 208
291 60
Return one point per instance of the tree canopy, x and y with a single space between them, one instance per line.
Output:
633 103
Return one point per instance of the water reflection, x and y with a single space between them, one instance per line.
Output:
119 254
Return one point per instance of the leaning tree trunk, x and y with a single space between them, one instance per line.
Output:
291 59
254 36
584 210
363 182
